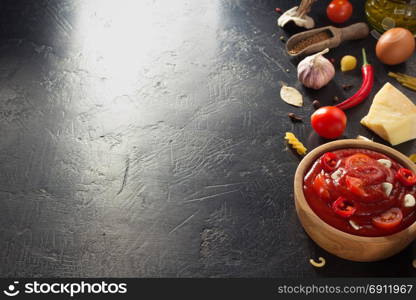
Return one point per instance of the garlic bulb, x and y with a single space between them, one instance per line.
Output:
316 71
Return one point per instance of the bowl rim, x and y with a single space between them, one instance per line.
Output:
311 157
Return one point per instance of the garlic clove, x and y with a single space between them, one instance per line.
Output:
354 225
409 200
361 137
387 188
337 174
385 162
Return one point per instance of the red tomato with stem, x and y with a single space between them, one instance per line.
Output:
329 122
339 11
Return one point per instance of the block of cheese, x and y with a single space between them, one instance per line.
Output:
392 116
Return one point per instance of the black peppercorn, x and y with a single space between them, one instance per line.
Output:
294 118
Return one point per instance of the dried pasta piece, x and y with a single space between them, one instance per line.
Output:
319 264
296 144
413 157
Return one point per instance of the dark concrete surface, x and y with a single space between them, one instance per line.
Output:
145 139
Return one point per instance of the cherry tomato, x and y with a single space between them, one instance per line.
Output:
357 160
368 169
321 186
389 219
339 11
370 174
343 208
355 186
366 193
329 161
329 122
406 177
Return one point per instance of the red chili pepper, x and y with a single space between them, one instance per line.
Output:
406 177
367 72
343 208
277 9
329 161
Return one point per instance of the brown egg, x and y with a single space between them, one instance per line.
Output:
395 46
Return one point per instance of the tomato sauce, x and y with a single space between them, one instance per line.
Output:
358 191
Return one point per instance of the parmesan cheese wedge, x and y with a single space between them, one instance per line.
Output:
392 116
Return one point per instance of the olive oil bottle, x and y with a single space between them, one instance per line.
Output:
386 14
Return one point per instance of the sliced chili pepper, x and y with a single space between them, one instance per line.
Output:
343 207
367 72
406 177
329 161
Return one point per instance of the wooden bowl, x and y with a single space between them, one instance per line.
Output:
337 242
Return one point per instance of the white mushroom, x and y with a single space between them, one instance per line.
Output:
385 162
293 15
354 225
409 200
387 188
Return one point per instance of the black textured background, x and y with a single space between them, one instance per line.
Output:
145 138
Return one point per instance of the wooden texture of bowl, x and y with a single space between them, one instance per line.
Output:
337 242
